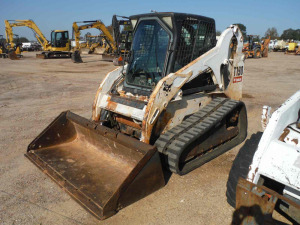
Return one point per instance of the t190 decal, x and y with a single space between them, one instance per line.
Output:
238 74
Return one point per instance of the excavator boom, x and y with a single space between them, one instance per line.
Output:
93 24
9 24
89 25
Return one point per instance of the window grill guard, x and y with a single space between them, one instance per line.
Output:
196 38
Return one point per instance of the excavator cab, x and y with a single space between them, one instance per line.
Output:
59 47
122 33
60 40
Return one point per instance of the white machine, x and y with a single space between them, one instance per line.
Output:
173 107
274 173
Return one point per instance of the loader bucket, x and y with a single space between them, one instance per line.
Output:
100 168
76 58
12 55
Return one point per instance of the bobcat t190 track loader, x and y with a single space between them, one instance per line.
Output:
173 106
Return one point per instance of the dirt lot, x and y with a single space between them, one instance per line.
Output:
34 91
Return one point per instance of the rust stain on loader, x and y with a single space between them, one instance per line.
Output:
255 204
295 141
128 121
284 134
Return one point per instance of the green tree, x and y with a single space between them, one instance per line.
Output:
21 39
243 29
218 33
291 34
272 32
256 38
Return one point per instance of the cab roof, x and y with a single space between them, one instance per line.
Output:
175 15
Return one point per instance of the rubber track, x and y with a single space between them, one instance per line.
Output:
173 142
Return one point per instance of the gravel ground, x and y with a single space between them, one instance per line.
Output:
34 91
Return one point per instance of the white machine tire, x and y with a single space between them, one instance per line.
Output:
240 166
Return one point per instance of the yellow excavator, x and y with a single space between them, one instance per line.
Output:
59 47
94 44
3 50
122 33
13 50
110 48
116 47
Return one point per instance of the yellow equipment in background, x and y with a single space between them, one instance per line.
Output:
18 46
292 46
13 51
251 49
293 49
59 47
110 47
3 50
94 44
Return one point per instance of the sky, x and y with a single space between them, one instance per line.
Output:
256 15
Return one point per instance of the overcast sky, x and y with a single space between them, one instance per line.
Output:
257 16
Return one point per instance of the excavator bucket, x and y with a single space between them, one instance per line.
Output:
100 168
12 55
99 51
76 58
84 51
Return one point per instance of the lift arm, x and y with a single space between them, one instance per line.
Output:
93 24
9 24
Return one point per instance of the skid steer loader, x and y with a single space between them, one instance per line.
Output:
266 178
174 107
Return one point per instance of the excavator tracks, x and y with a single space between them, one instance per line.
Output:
177 140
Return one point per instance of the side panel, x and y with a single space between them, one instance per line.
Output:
281 162
269 144
104 88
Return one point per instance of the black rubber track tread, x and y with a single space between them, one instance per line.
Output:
240 167
165 139
175 140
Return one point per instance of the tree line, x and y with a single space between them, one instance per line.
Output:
15 40
272 32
